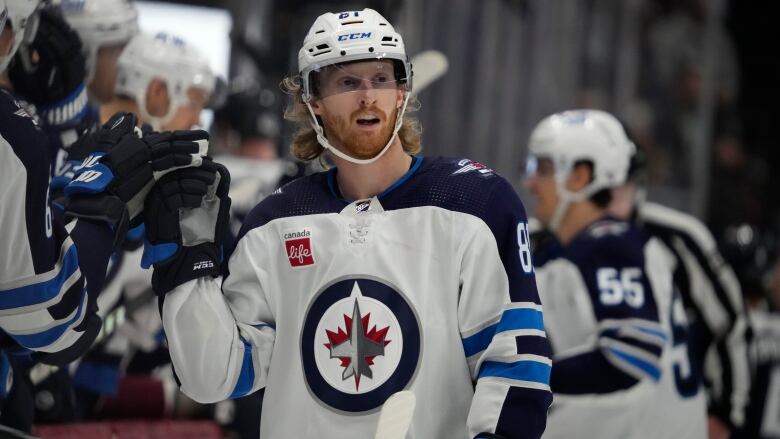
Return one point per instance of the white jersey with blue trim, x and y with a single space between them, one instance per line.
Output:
617 330
51 272
333 306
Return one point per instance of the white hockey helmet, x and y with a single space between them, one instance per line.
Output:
342 37
169 59
575 136
21 16
100 23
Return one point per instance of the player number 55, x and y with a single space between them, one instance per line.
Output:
617 286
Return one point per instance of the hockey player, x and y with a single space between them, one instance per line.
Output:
105 27
606 291
391 271
54 262
711 295
163 80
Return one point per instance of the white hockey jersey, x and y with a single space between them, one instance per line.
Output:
334 306
620 363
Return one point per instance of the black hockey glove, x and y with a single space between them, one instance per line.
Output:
186 216
50 72
112 186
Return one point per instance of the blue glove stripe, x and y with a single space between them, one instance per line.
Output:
157 253
91 180
136 233
65 174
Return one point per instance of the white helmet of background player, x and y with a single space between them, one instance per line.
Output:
20 16
168 59
571 137
336 38
100 23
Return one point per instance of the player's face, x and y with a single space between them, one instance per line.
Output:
187 114
358 103
540 181
106 67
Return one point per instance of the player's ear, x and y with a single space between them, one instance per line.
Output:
315 106
157 99
579 177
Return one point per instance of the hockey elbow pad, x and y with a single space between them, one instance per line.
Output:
186 218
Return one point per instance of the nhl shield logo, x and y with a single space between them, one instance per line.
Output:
360 344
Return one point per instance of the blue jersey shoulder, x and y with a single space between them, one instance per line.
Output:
307 195
460 185
608 241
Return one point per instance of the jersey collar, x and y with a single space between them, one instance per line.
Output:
334 188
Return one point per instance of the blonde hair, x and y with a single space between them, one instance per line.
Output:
305 145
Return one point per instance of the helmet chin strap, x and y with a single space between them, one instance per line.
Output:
157 122
325 144
565 198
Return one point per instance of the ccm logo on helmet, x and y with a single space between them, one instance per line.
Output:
354 36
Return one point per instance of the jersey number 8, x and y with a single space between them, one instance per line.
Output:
524 243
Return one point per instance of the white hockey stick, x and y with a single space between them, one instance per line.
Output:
396 415
428 66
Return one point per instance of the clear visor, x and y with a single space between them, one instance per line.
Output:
538 167
357 76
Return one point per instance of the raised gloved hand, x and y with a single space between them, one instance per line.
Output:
50 71
98 139
186 218
111 186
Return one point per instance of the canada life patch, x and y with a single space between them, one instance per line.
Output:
297 244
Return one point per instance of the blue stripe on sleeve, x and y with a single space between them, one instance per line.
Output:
511 319
524 370
247 375
42 291
654 332
49 336
649 368
520 318
480 341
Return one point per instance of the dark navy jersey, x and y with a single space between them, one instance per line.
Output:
333 305
51 272
610 316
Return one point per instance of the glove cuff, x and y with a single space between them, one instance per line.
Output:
66 111
190 263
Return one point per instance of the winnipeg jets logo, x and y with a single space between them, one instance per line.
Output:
357 346
355 351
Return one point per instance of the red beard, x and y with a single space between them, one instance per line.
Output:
358 143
